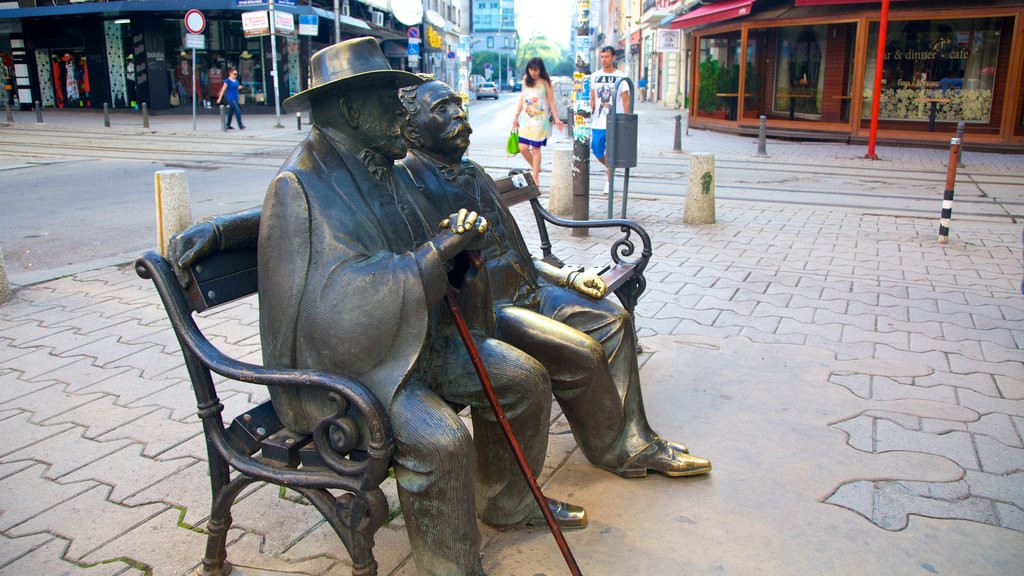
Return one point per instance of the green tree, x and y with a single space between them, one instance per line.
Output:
482 58
556 58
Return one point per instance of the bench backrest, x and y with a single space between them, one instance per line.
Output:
222 277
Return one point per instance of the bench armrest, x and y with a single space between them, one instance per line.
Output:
333 437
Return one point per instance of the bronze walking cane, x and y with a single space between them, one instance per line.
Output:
499 413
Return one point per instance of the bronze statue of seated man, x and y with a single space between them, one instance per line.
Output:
542 316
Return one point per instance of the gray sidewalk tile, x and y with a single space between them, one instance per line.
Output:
99 416
249 549
129 386
965 365
127 472
1010 516
17 508
292 518
1002 352
956 446
1009 387
922 343
14 548
158 544
998 458
48 402
48 559
65 452
88 520
988 404
155 364
19 431
154 430
187 490
12 386
80 374
106 350
999 427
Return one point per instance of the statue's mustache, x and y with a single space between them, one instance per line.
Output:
459 128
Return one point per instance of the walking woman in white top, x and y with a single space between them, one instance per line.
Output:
534 112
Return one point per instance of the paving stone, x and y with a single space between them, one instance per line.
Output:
155 430
997 426
981 383
48 559
858 384
1008 488
830 332
16 508
856 334
998 458
127 471
187 489
859 431
106 350
14 548
1010 516
49 401
935 360
129 386
99 416
649 326
690 328
11 468
922 343
762 324
884 388
997 352
249 550
65 452
13 387
19 431
194 447
84 322
88 520
987 404
936 426
178 398
894 503
159 544
956 446
80 374
151 359
28 334
858 496
280 521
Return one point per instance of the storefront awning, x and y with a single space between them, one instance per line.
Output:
711 13
834 2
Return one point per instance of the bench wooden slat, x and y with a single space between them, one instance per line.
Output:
222 277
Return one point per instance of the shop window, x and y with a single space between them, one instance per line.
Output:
718 76
950 62
800 71
753 79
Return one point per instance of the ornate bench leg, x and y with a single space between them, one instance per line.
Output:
224 494
355 519
629 294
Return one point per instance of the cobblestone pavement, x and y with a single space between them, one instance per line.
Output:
103 465
103 470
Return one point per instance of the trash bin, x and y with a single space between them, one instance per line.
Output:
623 142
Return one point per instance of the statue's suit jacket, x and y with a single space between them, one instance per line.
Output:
340 287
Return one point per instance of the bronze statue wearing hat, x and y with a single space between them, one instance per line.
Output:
351 273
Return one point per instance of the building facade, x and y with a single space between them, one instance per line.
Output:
809 66
83 54
494 30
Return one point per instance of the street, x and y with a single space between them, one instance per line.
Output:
77 195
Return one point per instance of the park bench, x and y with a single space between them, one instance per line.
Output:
349 452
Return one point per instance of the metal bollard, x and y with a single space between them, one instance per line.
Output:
106 115
145 115
39 114
298 121
677 142
961 127
10 115
762 150
947 196
223 118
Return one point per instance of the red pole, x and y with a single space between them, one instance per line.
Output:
506 428
883 26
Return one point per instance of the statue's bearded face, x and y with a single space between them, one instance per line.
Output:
443 128
382 119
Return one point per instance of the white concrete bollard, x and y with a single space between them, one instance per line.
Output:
560 197
173 206
700 194
5 285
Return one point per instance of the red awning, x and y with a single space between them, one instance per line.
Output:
834 2
710 13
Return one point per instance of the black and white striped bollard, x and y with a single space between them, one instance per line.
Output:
947 195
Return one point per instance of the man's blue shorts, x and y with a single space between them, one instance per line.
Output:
597 142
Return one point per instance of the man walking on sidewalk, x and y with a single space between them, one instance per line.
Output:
602 86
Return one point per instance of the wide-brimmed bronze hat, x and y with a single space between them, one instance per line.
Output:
347 64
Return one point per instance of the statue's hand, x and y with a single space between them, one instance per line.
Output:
588 284
463 221
186 248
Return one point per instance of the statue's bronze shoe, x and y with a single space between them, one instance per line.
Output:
663 457
568 516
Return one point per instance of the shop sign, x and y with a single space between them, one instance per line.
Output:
309 24
284 24
668 40
255 23
195 41
263 2
434 39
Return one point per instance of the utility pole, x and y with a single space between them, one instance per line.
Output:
581 117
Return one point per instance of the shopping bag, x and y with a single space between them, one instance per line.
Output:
512 147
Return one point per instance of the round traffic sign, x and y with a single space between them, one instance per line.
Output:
195 22
413 32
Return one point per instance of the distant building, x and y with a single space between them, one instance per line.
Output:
494 30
